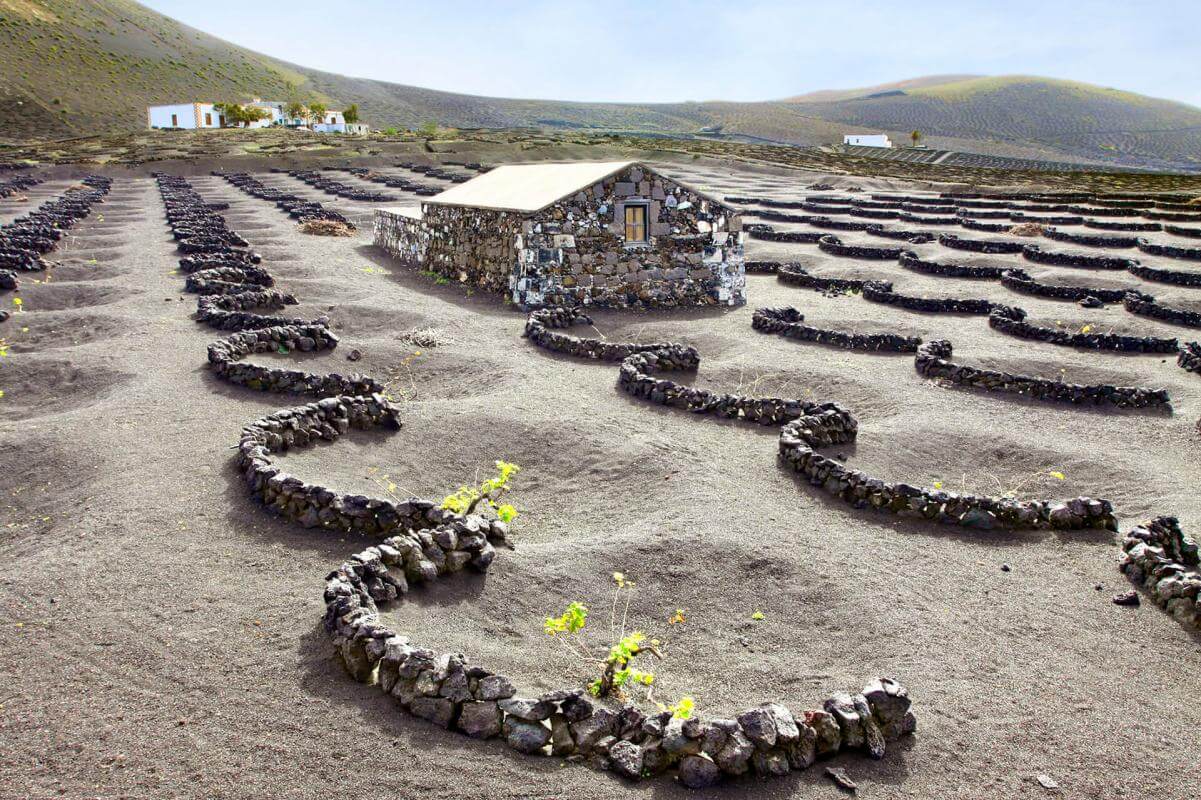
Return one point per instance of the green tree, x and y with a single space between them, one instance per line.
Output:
351 114
294 109
428 130
916 136
317 112
237 115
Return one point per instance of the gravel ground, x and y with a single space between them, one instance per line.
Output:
159 634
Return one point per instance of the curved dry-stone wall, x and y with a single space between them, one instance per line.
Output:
1179 230
1107 225
789 322
796 275
1169 250
1111 211
16 184
979 245
1172 217
25 240
905 235
800 438
225 355
878 292
425 542
1033 252
985 227
769 234
1189 358
543 328
835 247
1019 280
971 213
339 189
808 425
1146 306
295 206
910 260
1159 557
1089 240
926 219
1008 319
1042 220
932 362
1172 276
875 213
231 312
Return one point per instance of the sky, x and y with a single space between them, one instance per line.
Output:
672 50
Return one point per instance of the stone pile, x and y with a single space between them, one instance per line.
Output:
1189 358
1160 558
932 362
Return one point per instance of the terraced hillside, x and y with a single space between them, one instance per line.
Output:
70 68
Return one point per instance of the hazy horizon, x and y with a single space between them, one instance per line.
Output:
676 51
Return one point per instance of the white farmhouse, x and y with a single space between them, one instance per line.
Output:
184 115
274 109
867 140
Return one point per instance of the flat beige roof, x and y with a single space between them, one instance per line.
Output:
528 187
413 212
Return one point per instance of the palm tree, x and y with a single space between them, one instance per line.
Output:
351 114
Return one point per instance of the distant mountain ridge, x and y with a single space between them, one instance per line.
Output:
73 68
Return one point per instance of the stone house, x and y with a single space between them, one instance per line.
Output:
612 234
